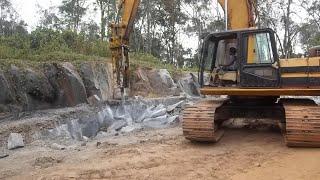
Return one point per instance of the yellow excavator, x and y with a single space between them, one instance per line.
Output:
243 64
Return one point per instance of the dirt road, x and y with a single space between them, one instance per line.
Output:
165 154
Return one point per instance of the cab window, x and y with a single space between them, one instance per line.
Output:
259 49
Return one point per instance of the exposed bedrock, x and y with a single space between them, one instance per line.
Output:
53 85
58 85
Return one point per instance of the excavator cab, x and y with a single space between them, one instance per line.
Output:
243 59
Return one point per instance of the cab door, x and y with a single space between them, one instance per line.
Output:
259 60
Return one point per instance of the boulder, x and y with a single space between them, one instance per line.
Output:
94 100
31 88
74 129
160 110
189 85
38 91
72 83
166 78
117 125
89 126
162 82
173 120
105 118
97 78
15 141
171 108
158 122
68 85
140 84
17 82
38 87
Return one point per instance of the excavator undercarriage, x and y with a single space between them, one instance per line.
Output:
298 119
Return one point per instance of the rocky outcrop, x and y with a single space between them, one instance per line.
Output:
5 93
97 78
58 85
67 83
161 83
154 81
53 85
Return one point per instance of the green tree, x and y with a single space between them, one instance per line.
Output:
9 20
108 12
72 12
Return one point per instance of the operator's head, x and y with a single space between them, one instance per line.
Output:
233 51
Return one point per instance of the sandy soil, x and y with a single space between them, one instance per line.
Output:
165 154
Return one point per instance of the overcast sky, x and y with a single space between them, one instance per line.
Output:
28 9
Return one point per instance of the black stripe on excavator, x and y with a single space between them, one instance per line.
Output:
301 81
300 69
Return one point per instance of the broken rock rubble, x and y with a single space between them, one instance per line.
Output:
122 118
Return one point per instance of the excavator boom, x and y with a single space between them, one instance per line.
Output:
240 14
119 45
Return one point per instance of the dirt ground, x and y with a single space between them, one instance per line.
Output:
165 154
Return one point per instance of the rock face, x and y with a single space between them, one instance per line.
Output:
97 78
15 141
67 83
58 85
154 81
53 85
5 93
71 84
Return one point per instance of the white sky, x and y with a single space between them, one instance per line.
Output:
28 9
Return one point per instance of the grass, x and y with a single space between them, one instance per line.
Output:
148 61
37 59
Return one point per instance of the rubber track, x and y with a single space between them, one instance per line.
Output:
302 125
198 122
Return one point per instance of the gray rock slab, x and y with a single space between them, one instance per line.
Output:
159 122
174 106
173 119
118 125
89 126
159 112
74 129
15 141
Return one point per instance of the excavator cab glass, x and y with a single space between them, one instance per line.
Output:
259 49
246 58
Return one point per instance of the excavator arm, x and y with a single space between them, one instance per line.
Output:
240 13
119 45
